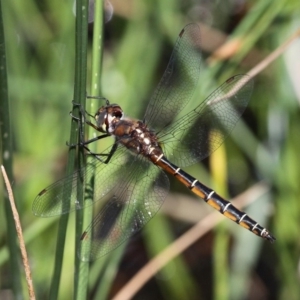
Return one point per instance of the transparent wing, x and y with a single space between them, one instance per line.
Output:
128 192
138 193
197 134
61 197
179 81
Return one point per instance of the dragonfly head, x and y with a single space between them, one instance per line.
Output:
107 116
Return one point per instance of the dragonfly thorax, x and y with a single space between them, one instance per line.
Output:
136 136
107 116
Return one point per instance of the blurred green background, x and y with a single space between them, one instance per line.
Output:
228 263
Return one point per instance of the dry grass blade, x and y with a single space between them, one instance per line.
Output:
258 68
20 235
271 57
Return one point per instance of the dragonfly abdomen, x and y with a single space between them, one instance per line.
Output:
214 200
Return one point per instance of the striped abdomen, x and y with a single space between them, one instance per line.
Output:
213 199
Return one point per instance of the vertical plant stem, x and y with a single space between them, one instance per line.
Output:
82 280
79 97
81 40
7 161
97 51
94 91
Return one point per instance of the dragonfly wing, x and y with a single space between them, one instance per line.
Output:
179 81
61 197
139 189
197 134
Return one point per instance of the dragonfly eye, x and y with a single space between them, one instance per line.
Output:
108 115
114 115
116 111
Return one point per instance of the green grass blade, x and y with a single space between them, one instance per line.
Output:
7 161
81 41
79 97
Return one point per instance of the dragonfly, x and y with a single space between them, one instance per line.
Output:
130 181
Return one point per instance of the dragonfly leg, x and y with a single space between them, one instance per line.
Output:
83 143
83 112
99 98
109 155
97 155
